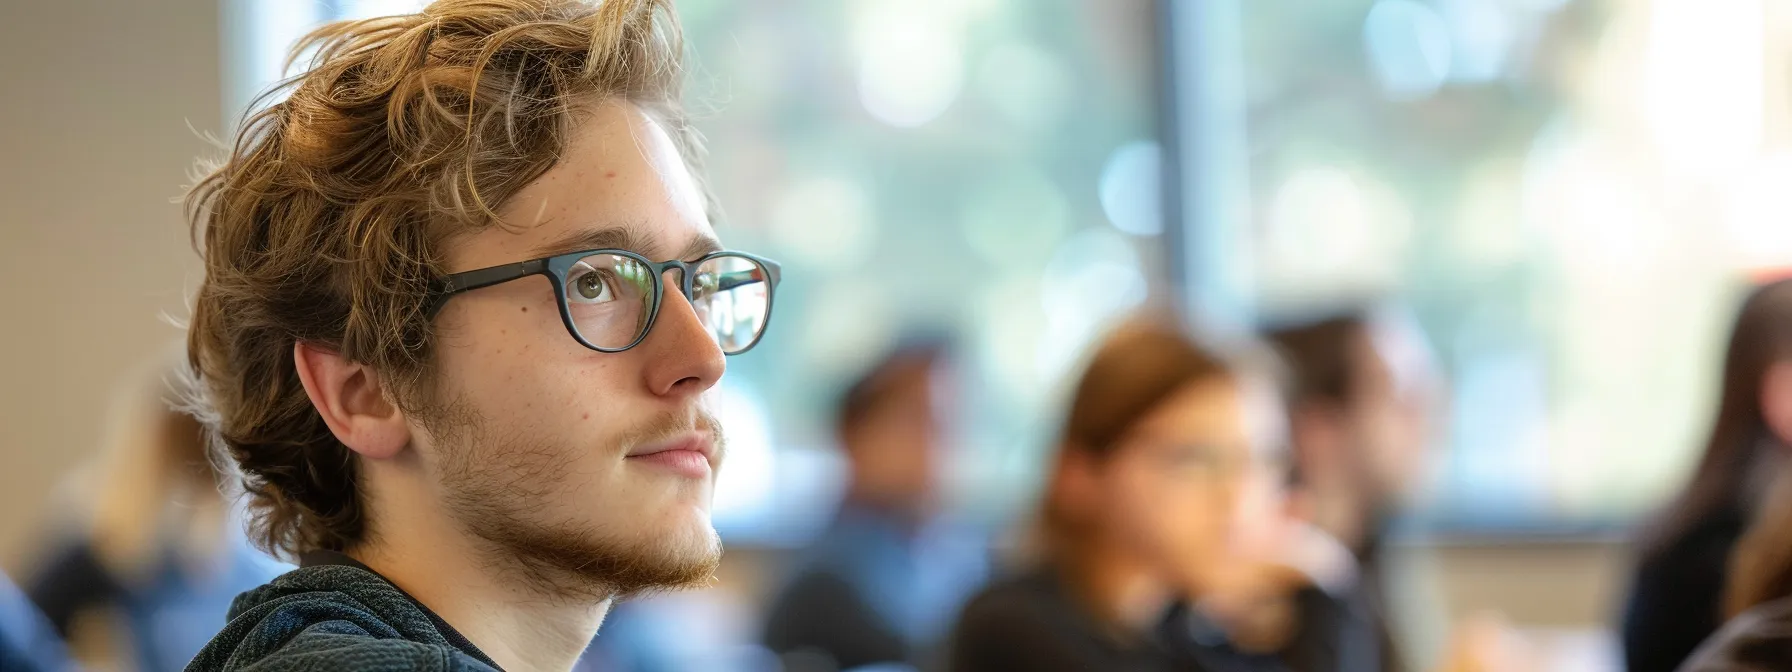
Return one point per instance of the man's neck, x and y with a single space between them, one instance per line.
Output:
518 627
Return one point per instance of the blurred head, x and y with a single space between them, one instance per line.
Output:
148 424
890 426
1755 397
478 133
1167 446
1364 390
151 487
1754 411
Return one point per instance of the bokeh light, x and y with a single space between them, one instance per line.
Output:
911 61
1335 227
1131 188
1015 218
1093 277
1760 214
824 221
1025 84
1704 82
1409 50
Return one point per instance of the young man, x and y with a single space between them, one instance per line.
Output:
1364 389
888 574
462 303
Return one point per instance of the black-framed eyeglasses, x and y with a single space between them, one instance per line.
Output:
609 298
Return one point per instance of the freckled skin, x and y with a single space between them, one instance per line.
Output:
534 386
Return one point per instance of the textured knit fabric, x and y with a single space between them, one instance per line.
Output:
335 617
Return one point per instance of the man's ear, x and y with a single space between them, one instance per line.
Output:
352 402
1776 401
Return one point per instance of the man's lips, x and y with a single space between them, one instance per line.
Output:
691 454
697 442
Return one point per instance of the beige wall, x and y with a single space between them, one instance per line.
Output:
96 101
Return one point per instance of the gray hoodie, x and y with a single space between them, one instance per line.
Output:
333 613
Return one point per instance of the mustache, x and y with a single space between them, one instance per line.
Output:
671 424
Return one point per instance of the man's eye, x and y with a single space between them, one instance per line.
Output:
592 287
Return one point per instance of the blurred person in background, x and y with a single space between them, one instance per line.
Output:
142 574
888 573
462 310
1757 601
1684 553
1363 390
1168 450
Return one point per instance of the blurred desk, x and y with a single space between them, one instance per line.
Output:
1562 591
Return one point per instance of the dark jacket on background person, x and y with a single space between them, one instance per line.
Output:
333 613
1677 593
875 589
1032 623
167 612
1339 631
1347 627
1759 640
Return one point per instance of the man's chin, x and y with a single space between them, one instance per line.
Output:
682 563
582 564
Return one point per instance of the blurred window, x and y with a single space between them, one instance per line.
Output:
1568 193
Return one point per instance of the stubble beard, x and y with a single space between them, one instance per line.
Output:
492 482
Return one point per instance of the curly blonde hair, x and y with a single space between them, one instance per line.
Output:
324 223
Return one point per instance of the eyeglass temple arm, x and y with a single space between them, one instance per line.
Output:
733 280
484 277
739 279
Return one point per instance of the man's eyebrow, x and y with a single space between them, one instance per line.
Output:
699 246
610 238
622 238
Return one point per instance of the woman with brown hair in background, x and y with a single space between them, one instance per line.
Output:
1758 598
1167 448
1685 551
1758 593
141 575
